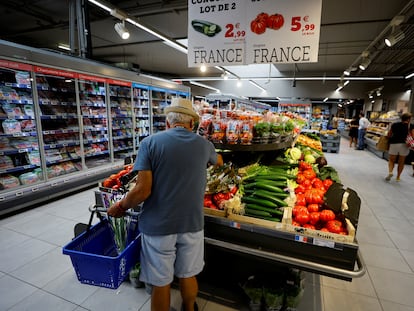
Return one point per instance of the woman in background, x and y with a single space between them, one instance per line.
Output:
398 148
353 132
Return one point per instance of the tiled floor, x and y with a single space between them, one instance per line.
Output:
36 276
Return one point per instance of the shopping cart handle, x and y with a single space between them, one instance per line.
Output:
94 208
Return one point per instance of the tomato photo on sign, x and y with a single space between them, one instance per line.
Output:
258 26
275 21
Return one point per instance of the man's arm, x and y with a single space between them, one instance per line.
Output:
137 195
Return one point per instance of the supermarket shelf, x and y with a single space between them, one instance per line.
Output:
13 200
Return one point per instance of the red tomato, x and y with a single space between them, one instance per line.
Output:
324 230
309 174
302 218
300 198
314 218
300 189
327 215
334 226
303 166
275 21
327 183
317 183
300 178
307 184
299 209
309 226
314 196
313 207
295 223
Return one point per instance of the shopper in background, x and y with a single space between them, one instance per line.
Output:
398 148
353 131
362 129
171 182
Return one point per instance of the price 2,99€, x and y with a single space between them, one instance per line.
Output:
234 31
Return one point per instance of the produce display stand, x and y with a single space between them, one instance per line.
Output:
281 244
321 256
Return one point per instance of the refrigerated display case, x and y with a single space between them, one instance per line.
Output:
59 120
122 129
19 137
95 125
67 123
142 120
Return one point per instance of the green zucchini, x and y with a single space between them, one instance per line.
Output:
273 211
267 194
257 212
276 183
264 186
259 201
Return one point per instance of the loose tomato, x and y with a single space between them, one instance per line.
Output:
314 196
309 226
324 229
313 207
314 218
303 166
307 184
300 178
317 183
300 189
298 209
300 198
309 174
295 223
327 215
334 226
327 183
302 218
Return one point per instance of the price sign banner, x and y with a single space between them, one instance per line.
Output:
253 32
216 32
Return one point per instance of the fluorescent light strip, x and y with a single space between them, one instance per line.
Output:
257 85
168 41
325 99
101 5
410 76
205 86
64 47
346 82
339 88
284 79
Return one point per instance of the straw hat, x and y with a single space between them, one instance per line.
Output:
182 105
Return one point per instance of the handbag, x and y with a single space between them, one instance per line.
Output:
383 143
410 141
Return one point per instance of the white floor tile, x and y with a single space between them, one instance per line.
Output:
409 257
393 286
338 300
402 240
12 291
392 306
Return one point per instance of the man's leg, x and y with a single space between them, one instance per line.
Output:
160 298
189 290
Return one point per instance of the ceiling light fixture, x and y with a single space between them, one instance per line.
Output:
257 85
409 76
203 68
239 83
348 71
122 30
396 34
64 46
325 99
365 60
205 86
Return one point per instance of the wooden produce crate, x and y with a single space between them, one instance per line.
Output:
214 212
256 221
287 225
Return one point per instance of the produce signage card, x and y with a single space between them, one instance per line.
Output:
282 31
244 32
216 32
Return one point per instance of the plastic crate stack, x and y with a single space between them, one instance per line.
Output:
330 143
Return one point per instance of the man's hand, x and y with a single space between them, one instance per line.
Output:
116 210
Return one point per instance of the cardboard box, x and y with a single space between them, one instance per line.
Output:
287 222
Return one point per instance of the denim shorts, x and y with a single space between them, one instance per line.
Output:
163 256
399 149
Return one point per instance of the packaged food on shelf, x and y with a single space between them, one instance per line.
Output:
9 181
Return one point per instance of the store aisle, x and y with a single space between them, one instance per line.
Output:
35 276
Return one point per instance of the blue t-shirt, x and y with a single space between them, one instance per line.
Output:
178 160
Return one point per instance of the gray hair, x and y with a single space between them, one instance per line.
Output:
176 117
